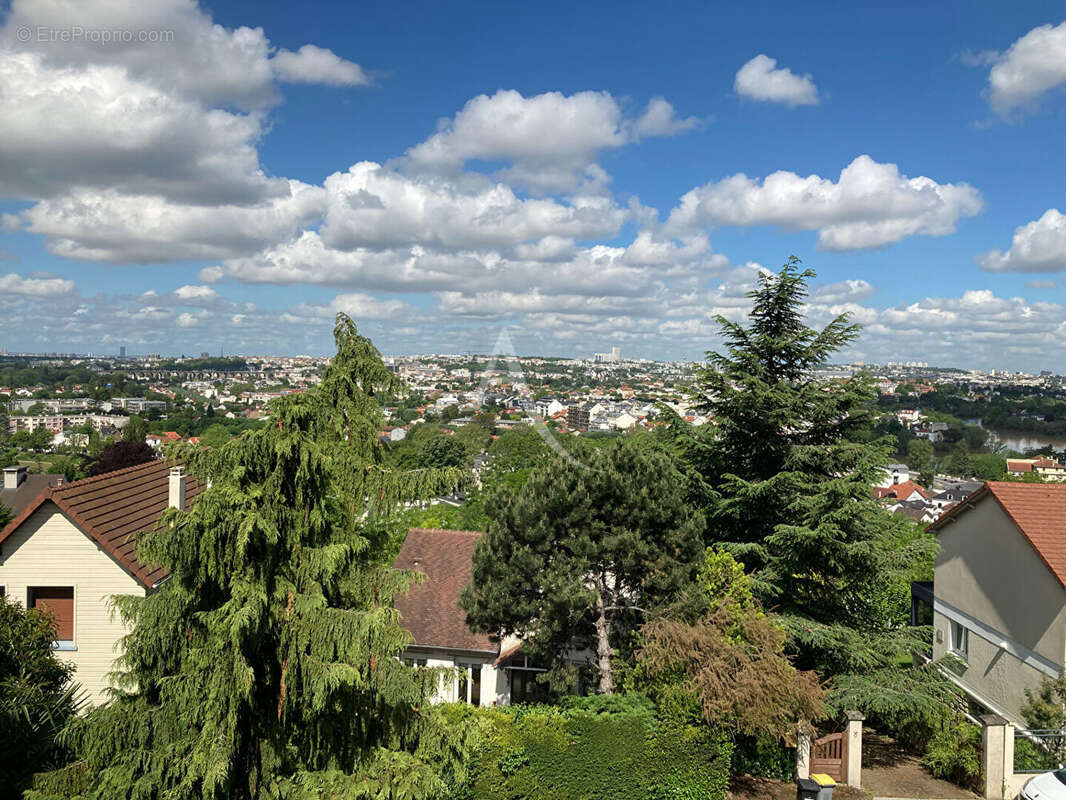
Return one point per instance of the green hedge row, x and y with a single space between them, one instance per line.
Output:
585 753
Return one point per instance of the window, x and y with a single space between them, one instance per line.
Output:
960 640
414 662
59 601
469 688
525 688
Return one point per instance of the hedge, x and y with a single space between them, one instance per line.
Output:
619 752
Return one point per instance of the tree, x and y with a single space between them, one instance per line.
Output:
215 436
121 455
72 468
920 460
35 698
784 477
265 666
6 515
441 451
989 466
136 429
959 462
582 554
718 652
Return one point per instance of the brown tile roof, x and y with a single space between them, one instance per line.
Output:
33 485
431 611
113 508
1037 509
901 490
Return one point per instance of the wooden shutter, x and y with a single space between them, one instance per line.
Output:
60 601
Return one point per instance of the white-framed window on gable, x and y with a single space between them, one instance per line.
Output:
960 640
468 686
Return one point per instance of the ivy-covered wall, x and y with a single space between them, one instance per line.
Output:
583 753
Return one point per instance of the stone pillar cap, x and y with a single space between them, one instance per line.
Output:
854 716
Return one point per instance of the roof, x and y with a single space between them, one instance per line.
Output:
431 611
31 486
901 490
1037 509
112 508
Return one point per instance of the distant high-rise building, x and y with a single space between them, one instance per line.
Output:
122 351
205 354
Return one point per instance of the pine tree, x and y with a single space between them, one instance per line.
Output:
582 553
264 666
786 473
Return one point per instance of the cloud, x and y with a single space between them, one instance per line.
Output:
1037 246
176 47
759 80
358 306
1040 284
35 286
371 206
311 64
1033 65
551 141
660 119
869 206
119 228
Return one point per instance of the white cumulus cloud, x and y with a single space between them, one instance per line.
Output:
870 205
761 79
1037 246
1033 65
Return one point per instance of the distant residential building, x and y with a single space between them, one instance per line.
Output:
895 473
549 407
59 405
1047 468
137 405
577 418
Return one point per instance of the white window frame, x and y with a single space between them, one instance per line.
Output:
468 667
959 639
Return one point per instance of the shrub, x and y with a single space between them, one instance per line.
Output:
763 757
598 748
954 754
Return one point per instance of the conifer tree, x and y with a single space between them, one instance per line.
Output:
583 552
264 666
785 476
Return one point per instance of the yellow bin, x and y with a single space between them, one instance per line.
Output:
825 785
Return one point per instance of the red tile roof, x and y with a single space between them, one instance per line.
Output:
901 490
430 611
112 508
1037 509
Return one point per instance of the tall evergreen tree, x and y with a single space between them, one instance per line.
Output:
787 481
264 666
579 556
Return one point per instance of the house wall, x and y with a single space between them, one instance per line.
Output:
991 579
495 689
49 550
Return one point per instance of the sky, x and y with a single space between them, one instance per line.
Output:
178 177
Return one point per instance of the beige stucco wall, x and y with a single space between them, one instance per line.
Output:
988 570
49 550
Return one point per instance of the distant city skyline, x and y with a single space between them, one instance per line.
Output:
583 176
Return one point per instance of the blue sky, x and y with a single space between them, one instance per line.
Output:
584 175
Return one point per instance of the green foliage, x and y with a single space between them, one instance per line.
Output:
35 699
72 468
784 476
920 459
763 757
954 754
216 435
265 667
989 466
583 553
1045 709
6 515
623 752
442 451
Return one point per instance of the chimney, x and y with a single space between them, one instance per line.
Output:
13 477
177 488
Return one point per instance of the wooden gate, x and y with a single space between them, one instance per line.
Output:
830 755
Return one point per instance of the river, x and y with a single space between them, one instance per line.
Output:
1019 440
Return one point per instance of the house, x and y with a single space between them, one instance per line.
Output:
895 473
1046 468
907 490
492 673
999 592
20 488
73 546
955 493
